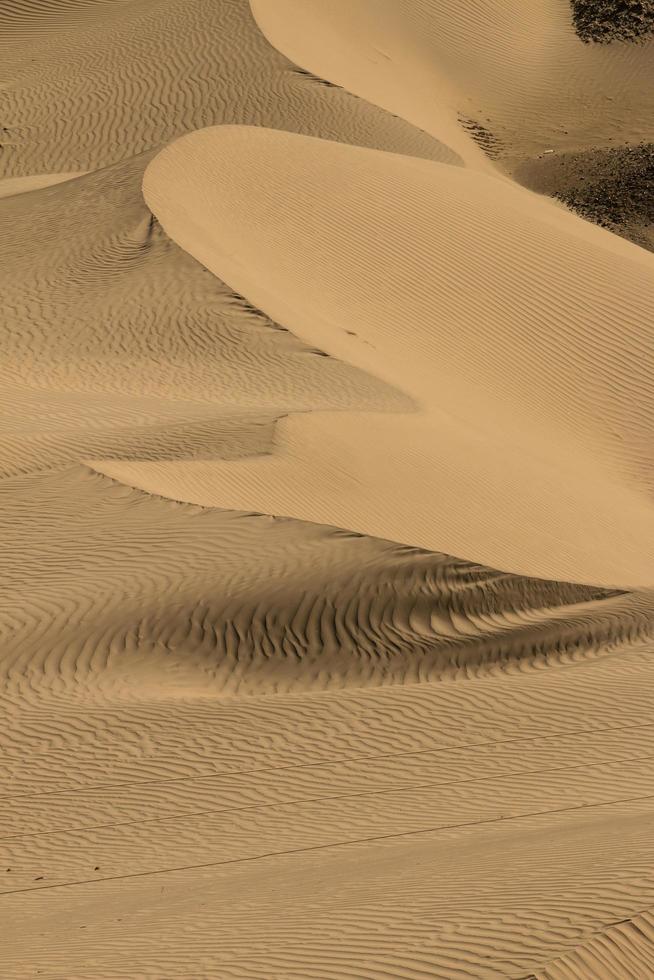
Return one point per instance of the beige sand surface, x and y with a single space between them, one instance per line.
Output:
517 68
394 264
20 185
623 950
325 497
137 74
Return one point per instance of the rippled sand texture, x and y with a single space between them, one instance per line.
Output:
325 495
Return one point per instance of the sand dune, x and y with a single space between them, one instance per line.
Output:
517 69
513 80
325 490
356 243
118 344
146 71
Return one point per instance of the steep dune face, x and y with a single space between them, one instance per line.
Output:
325 494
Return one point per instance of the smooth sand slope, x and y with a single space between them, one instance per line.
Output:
519 332
11 186
247 745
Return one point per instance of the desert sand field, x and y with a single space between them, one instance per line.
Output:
327 489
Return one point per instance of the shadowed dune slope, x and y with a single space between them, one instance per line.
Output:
136 590
394 265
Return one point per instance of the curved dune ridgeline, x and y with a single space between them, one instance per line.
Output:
327 598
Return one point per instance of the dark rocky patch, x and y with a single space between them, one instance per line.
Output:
603 21
482 136
612 187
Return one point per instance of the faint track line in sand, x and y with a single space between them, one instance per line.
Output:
346 843
409 787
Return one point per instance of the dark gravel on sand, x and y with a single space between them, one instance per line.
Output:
612 187
612 20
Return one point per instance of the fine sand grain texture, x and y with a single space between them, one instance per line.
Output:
326 490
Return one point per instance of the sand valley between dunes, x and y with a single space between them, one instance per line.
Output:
327 489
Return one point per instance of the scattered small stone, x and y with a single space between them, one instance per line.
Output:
612 186
620 191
